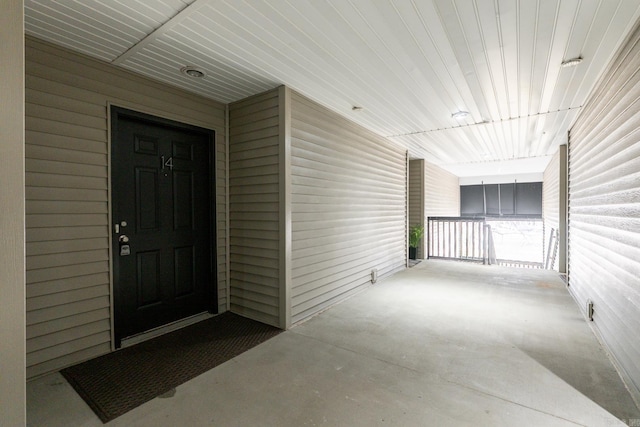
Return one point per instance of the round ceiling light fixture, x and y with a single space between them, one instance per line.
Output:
571 62
460 114
194 72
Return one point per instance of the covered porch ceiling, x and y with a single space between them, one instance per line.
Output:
401 68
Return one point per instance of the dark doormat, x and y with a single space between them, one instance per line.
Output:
120 381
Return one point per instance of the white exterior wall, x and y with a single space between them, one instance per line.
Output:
442 192
254 207
433 192
554 208
348 207
551 203
604 210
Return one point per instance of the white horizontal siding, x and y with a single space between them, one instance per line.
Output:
254 207
433 191
442 192
441 195
348 207
67 211
604 210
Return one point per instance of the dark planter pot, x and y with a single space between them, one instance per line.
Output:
413 252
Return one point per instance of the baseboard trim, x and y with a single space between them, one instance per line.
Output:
626 379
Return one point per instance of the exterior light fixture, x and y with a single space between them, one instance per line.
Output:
460 114
571 62
356 108
193 72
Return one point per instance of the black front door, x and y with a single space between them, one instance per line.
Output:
162 215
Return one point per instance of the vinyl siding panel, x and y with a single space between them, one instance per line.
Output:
441 196
432 192
442 192
551 202
604 210
348 207
254 207
67 205
12 222
416 198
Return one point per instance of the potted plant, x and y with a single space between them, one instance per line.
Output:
415 234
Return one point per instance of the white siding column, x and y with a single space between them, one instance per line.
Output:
257 265
551 210
564 197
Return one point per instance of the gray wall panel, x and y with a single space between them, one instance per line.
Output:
348 207
254 207
12 222
441 195
67 183
604 213
432 192
442 192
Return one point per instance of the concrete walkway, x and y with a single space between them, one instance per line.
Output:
440 344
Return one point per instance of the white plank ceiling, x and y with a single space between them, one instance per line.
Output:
410 64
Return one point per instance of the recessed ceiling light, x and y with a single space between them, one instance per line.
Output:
571 62
193 72
460 114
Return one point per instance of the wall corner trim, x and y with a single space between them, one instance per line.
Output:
284 103
12 220
227 149
563 212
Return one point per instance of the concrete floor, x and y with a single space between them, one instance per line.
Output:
439 344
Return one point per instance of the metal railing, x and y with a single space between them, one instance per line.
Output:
465 239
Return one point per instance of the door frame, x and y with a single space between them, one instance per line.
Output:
113 112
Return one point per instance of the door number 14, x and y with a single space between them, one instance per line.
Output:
167 163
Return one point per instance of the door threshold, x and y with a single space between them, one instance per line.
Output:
165 329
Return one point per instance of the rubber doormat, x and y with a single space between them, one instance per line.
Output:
118 382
